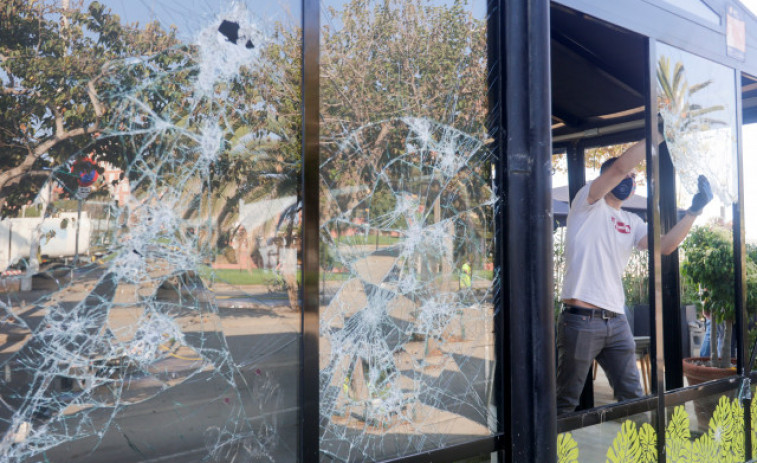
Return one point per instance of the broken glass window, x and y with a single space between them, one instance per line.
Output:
407 234
148 304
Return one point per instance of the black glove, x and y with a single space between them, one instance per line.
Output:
703 196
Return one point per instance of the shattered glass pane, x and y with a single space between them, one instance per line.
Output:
150 231
406 318
697 105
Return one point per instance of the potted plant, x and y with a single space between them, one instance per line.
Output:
708 263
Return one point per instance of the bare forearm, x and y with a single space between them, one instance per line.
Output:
670 240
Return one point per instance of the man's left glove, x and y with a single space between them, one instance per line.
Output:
703 196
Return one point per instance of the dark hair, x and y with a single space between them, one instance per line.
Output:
606 165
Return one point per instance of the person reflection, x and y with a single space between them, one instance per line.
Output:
599 240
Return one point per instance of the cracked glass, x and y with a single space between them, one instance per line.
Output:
697 105
406 226
149 192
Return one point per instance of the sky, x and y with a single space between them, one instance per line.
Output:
190 16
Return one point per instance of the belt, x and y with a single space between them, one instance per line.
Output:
599 313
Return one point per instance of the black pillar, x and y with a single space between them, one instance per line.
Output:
576 181
309 370
671 292
529 231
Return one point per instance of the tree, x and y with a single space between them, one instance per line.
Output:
389 59
57 65
708 261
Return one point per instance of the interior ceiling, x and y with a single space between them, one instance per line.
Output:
598 77
597 73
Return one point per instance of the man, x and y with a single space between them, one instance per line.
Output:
599 241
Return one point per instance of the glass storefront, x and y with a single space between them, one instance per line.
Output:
406 224
245 231
149 302
696 99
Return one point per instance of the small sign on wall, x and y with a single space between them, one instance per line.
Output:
735 28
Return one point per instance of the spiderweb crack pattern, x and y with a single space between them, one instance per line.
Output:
155 277
406 359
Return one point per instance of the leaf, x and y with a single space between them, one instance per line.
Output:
625 447
721 424
647 444
678 426
705 450
567 449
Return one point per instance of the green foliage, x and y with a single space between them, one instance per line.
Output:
625 447
678 437
567 449
57 67
723 442
647 444
708 262
636 278
722 424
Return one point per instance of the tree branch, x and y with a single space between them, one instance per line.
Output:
92 93
18 91
43 148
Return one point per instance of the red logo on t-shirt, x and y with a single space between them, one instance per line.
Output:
621 227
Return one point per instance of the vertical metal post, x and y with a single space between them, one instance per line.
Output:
496 126
576 169
529 230
743 360
653 239
309 378
671 292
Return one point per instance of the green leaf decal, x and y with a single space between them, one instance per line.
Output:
721 424
625 448
677 437
678 426
567 449
738 444
647 444
705 450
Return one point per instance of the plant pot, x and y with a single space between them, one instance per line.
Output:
697 374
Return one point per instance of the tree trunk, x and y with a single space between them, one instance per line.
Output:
713 341
725 349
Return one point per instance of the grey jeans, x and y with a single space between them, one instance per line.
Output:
581 339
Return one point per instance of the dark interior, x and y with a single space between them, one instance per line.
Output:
598 79
597 76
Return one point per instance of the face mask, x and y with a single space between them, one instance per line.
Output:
624 189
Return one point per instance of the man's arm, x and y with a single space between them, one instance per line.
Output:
617 171
669 241
675 236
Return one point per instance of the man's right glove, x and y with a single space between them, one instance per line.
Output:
703 196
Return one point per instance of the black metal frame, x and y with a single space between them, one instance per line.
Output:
518 40
664 285
309 353
309 350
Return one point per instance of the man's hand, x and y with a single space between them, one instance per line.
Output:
703 196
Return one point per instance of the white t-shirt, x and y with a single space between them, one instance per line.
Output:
598 244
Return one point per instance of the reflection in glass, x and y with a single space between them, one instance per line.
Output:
407 351
149 236
697 107
696 102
